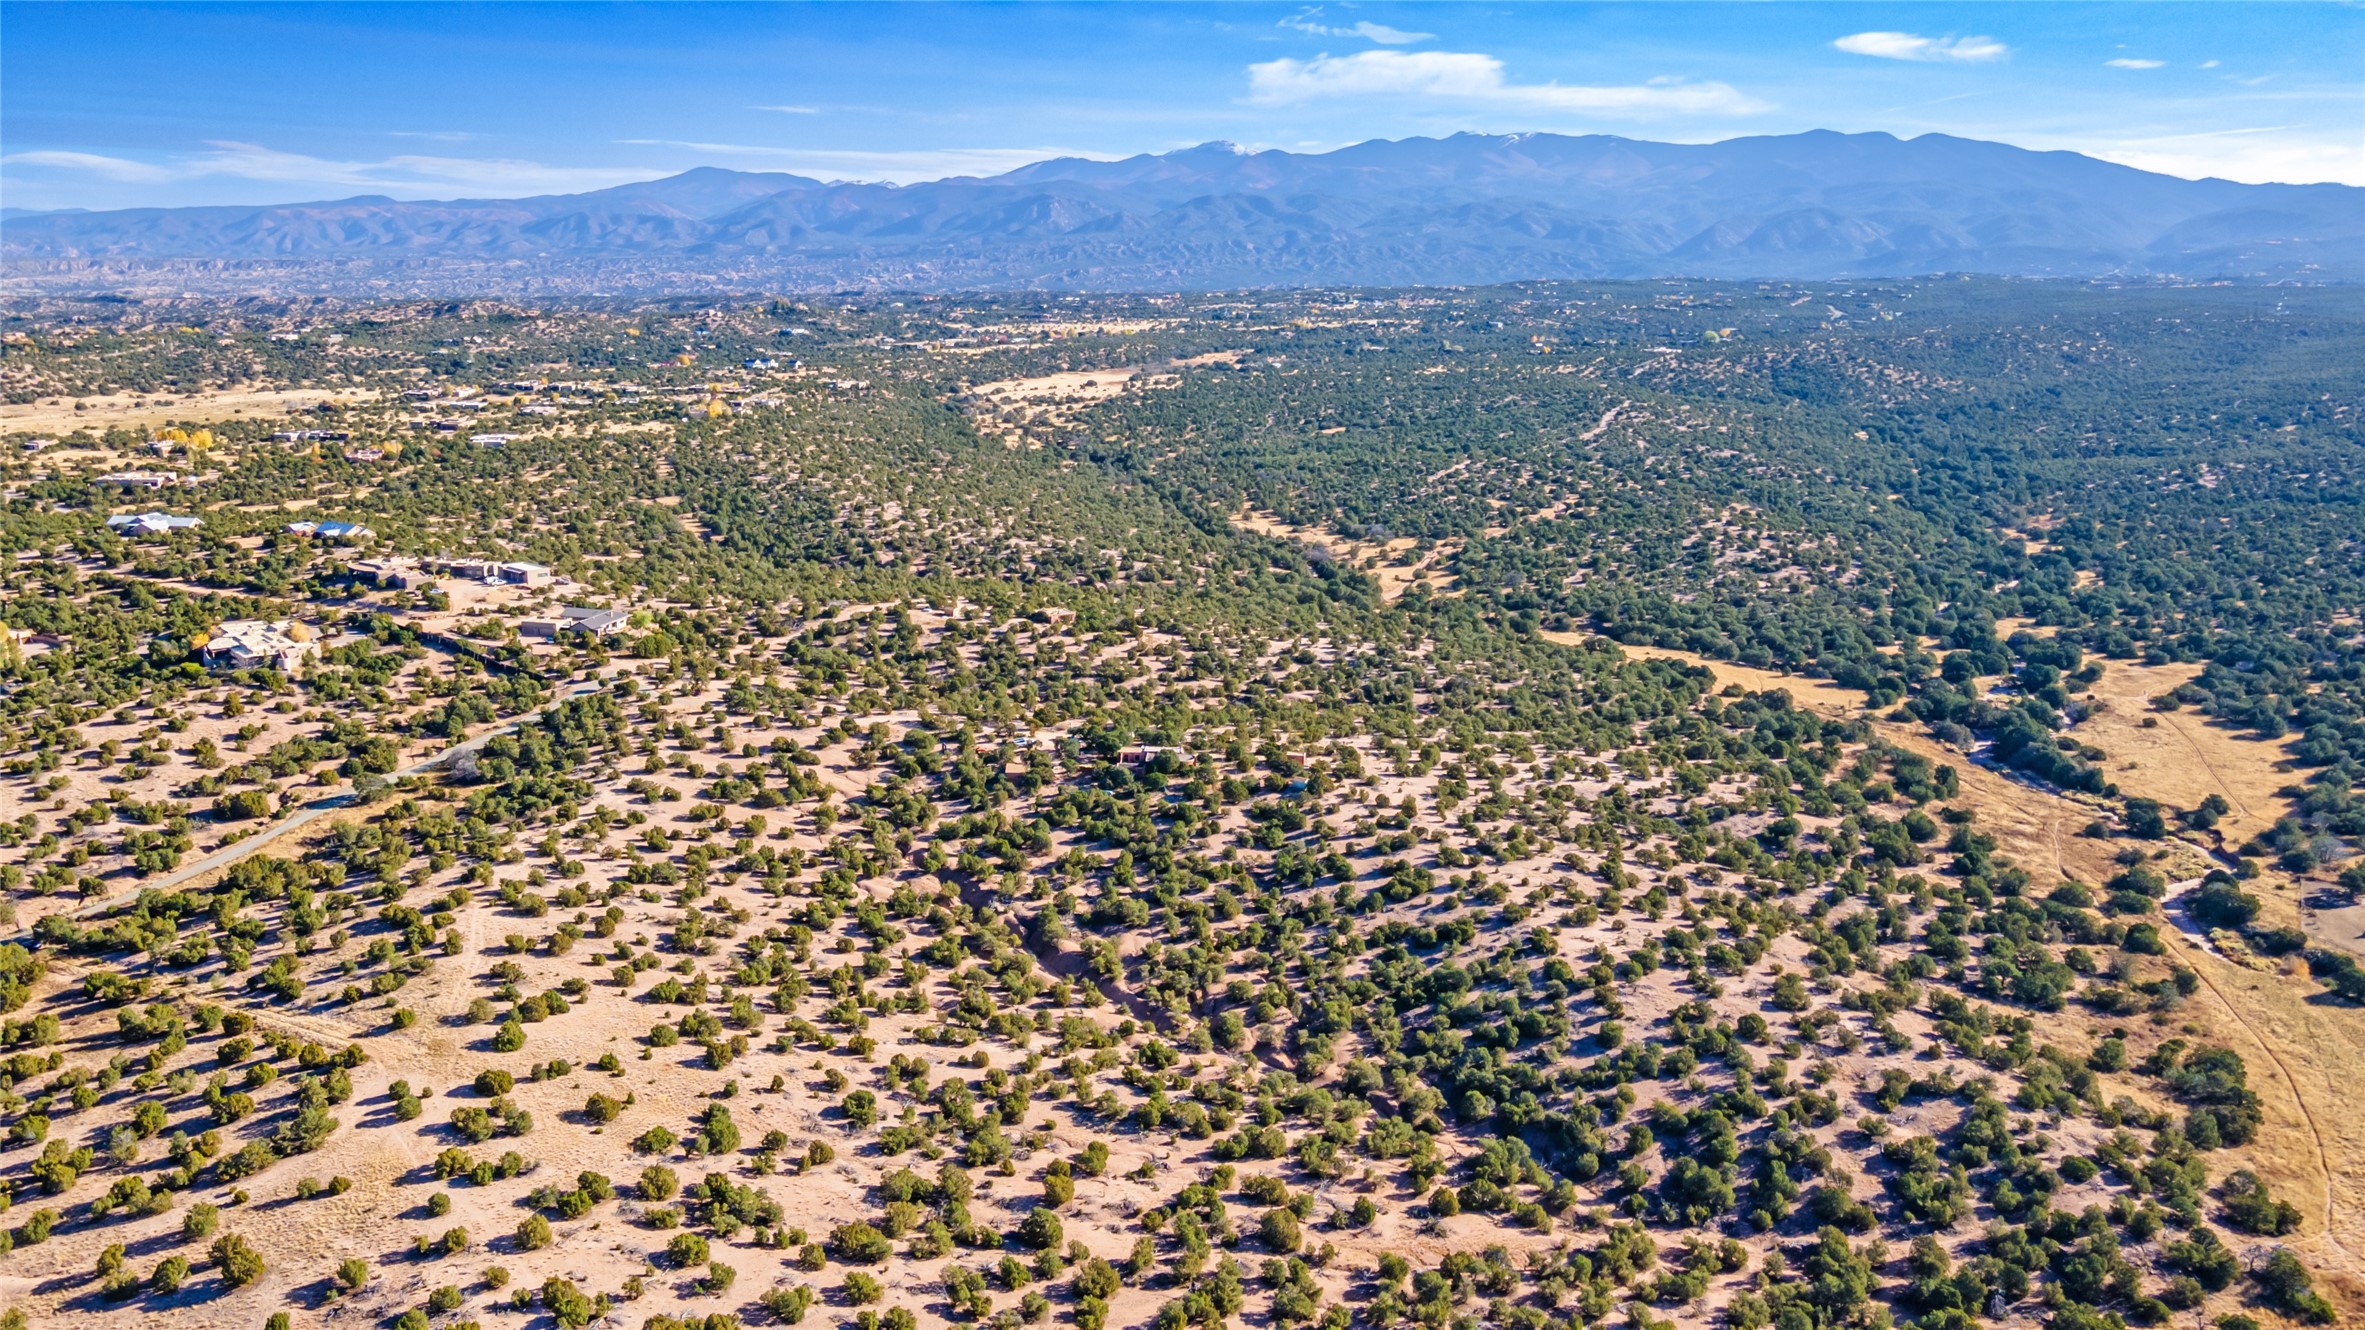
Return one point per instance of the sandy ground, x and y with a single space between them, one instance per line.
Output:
59 414
1056 395
1383 560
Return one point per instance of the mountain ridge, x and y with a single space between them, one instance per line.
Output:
1461 209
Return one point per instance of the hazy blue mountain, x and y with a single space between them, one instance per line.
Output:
1470 208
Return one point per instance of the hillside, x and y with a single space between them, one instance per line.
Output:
1466 209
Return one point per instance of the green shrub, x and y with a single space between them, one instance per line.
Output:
239 1264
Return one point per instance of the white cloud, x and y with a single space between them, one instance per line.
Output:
1471 76
2128 62
888 166
2254 155
91 163
1926 50
1379 33
1387 36
2209 64
789 110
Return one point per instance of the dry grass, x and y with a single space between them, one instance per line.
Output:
139 411
2181 758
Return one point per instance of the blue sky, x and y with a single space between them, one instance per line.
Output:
125 105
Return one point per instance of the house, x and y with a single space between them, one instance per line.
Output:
153 524
253 644
349 532
759 362
139 480
395 572
586 619
491 440
473 570
495 572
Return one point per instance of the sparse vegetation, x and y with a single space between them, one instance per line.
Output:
1159 856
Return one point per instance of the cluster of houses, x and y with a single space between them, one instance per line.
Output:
405 572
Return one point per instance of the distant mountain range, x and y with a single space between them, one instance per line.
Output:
1466 209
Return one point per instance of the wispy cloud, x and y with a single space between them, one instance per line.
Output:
789 110
895 167
405 173
91 163
2129 62
1309 21
1475 77
435 135
1927 50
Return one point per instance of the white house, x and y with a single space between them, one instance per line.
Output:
350 532
153 524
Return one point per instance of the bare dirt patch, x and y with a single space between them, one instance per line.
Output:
1393 563
138 411
1052 398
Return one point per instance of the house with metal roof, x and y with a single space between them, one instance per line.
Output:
349 532
152 524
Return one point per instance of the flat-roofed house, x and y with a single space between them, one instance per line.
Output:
393 571
139 480
253 644
589 620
